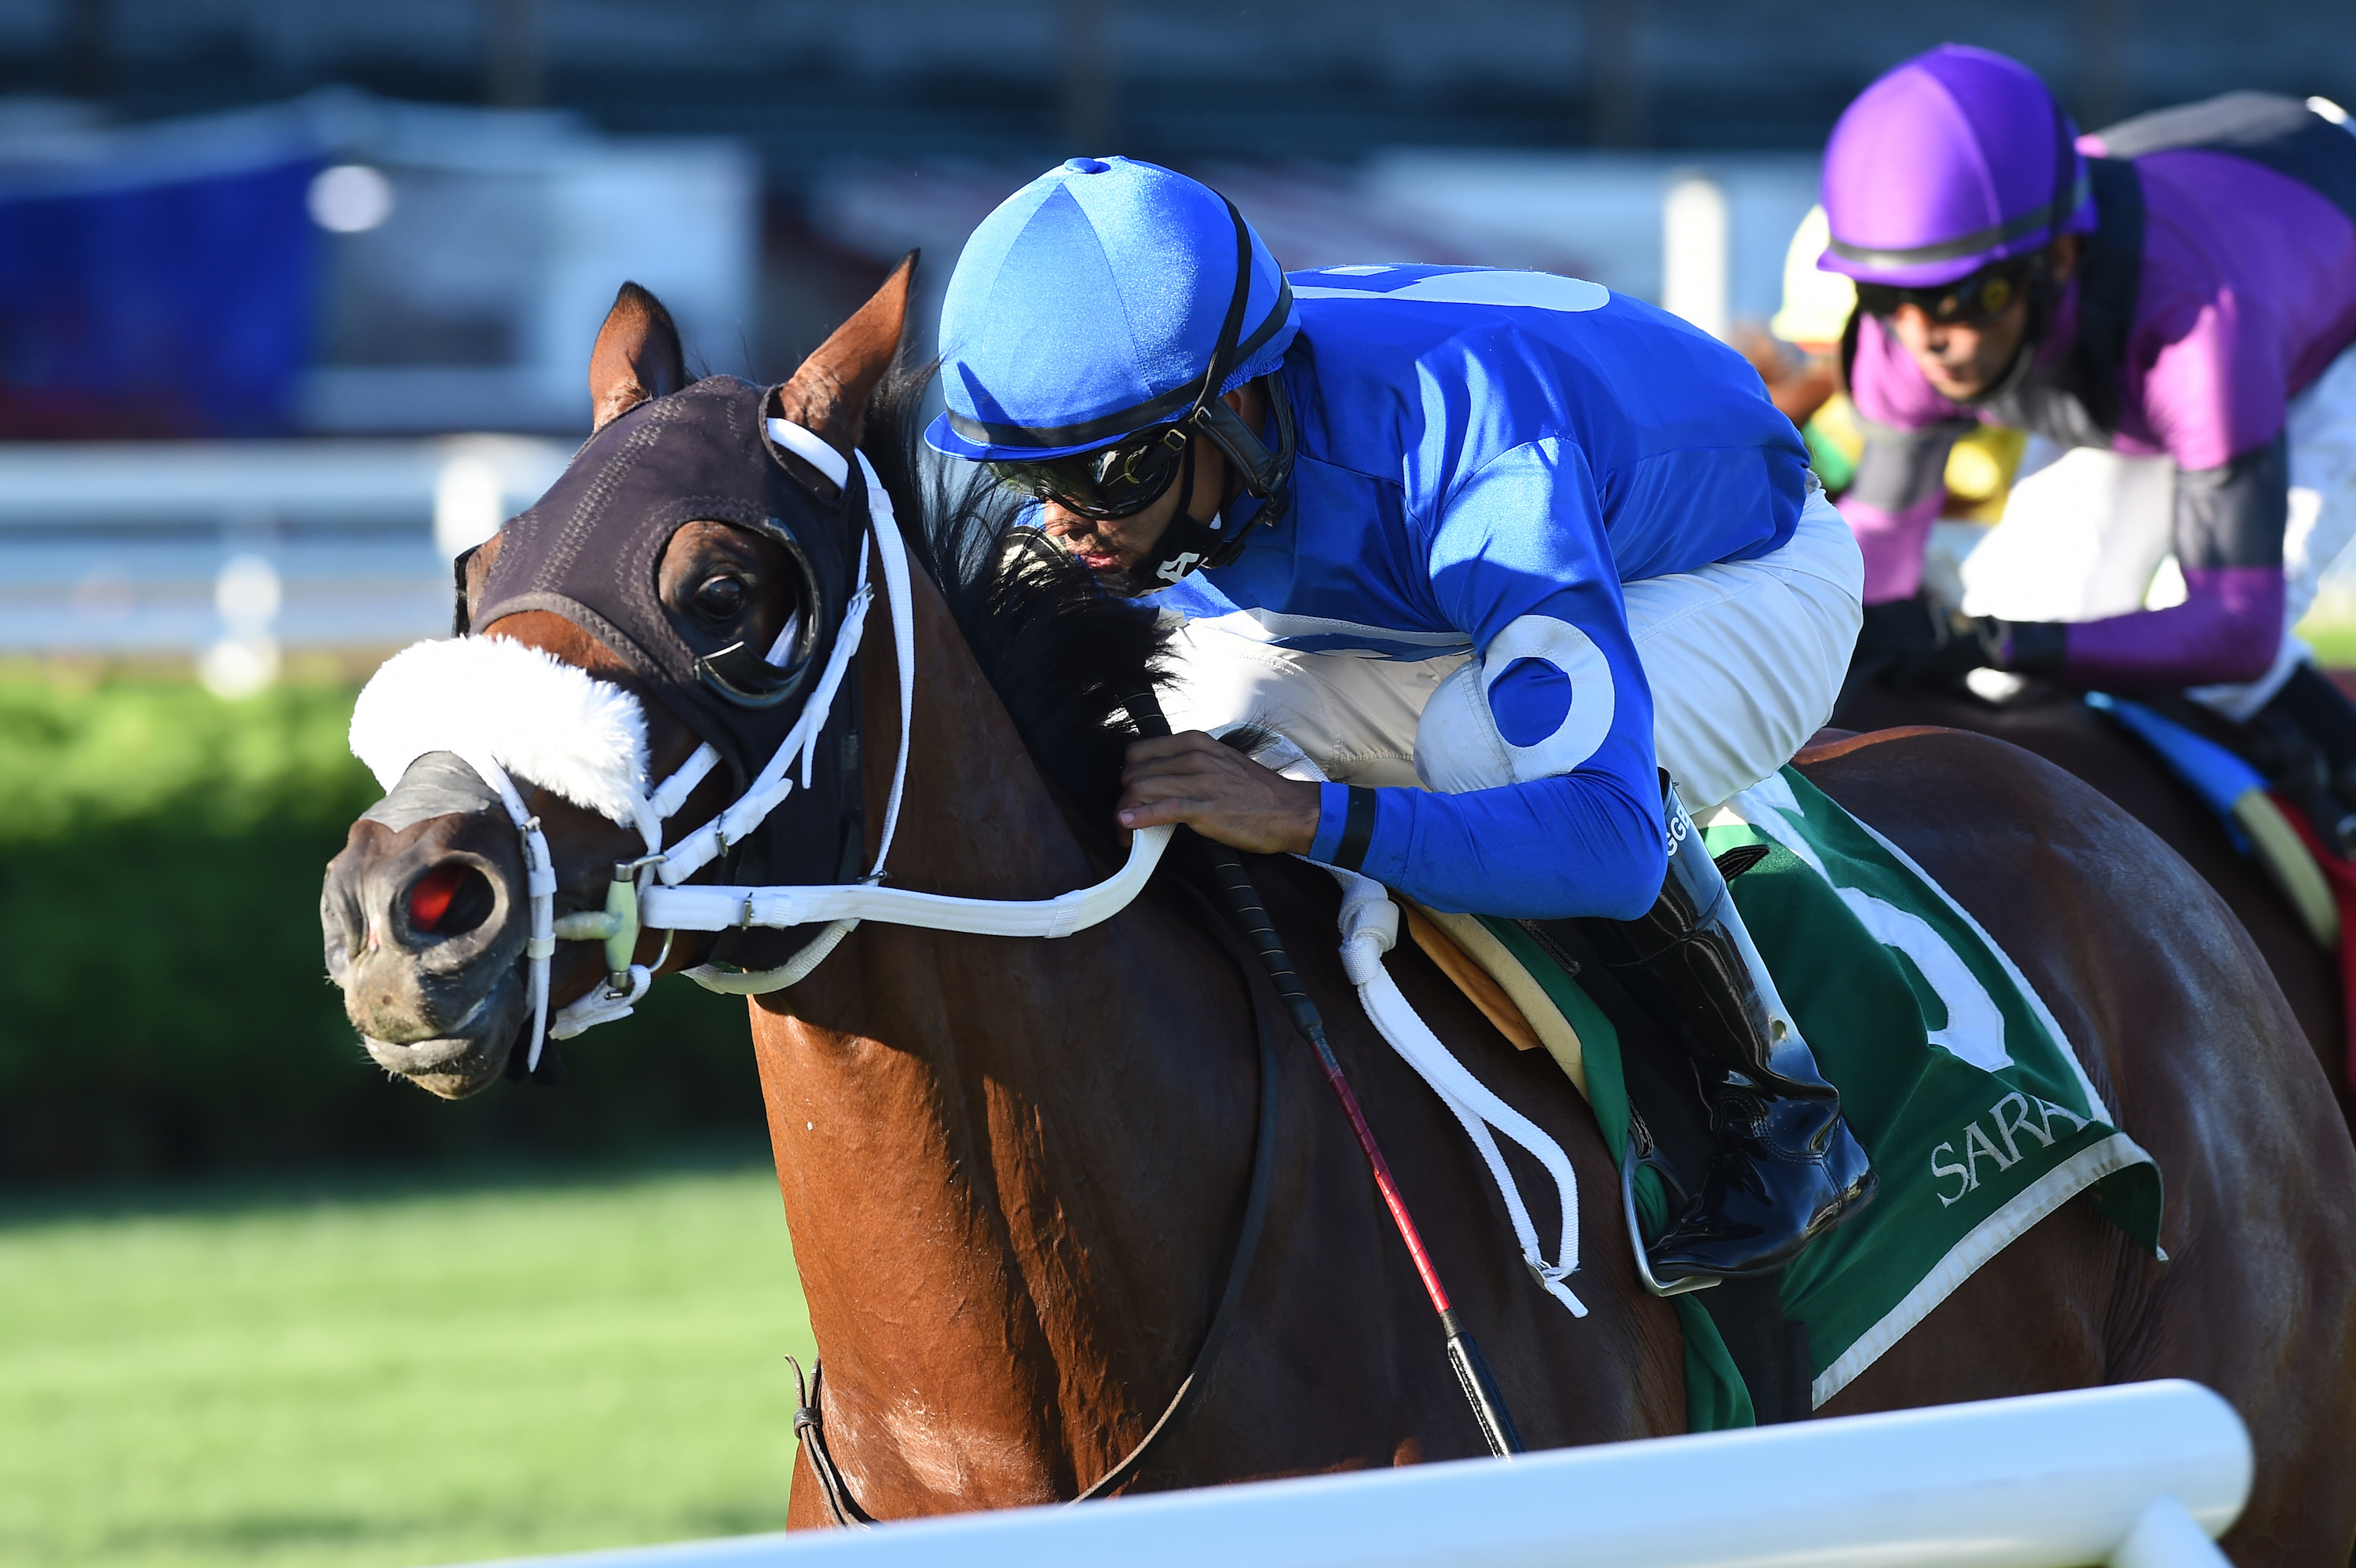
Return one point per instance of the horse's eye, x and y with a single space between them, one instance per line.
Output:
719 600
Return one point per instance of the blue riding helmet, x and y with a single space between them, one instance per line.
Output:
1090 305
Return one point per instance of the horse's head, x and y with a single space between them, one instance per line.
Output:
633 652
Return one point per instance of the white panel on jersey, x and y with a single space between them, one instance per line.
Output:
1573 652
1542 290
1266 625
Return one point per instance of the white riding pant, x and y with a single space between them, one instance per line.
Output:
1744 658
2089 533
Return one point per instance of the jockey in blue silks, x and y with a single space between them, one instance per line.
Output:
1492 547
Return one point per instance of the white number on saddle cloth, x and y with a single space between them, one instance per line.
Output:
1975 1027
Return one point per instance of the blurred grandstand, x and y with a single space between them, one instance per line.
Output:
261 261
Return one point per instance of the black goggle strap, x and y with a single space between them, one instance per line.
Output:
1262 470
1187 545
1230 330
2065 170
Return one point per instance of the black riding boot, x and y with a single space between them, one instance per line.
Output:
1785 1165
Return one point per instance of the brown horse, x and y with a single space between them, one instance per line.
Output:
1015 1169
2066 733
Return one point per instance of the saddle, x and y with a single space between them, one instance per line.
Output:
1493 979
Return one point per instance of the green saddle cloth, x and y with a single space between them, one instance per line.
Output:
1952 1072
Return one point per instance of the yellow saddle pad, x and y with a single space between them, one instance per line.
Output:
1497 983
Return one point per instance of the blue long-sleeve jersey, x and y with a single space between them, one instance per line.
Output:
1484 458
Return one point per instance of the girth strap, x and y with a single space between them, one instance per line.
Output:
809 1422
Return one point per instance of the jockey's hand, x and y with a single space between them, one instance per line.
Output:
1219 792
1920 642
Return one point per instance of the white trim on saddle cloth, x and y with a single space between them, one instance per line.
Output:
537 717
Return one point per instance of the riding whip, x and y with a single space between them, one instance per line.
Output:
1472 1368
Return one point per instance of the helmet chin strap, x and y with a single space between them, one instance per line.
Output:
2023 361
1185 548
1188 544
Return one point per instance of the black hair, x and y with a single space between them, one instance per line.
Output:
1061 653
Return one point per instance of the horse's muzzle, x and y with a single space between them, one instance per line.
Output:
423 916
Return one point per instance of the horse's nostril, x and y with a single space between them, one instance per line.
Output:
450 900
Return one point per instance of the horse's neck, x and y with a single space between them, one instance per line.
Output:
1009 1166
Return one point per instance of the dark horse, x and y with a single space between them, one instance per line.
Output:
2063 730
1015 1169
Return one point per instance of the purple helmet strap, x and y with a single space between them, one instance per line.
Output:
2044 286
2044 292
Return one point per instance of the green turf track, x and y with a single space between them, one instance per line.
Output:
2334 642
394 1375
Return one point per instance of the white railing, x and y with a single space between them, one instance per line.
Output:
168 548
2140 1476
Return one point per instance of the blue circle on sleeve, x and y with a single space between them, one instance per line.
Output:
1529 701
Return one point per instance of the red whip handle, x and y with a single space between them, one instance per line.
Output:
1480 1385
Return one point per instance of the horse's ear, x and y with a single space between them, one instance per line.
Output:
829 394
637 356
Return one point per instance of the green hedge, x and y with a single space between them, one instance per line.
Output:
164 1006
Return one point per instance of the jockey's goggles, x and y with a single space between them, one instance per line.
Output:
1966 302
1124 478
1117 481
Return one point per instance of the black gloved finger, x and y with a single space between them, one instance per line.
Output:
2030 647
1893 641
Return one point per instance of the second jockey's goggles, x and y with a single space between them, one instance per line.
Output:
1968 301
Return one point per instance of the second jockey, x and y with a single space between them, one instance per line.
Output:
1490 547
2178 290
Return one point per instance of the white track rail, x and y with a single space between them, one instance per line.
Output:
2140 1476
119 547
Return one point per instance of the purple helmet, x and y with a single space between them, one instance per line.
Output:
1957 159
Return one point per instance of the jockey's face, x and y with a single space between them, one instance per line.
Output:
1962 359
1965 360
1122 544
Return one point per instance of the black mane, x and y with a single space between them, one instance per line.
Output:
1061 652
